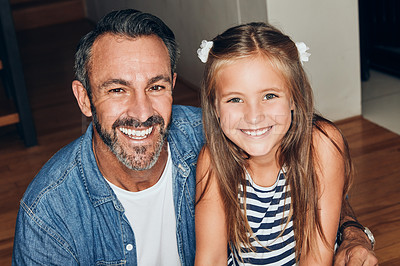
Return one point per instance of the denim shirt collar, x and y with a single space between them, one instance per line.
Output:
96 186
181 154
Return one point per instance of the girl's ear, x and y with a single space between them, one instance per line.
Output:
291 104
82 97
216 107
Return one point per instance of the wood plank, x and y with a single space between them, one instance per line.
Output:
9 119
17 2
375 195
48 14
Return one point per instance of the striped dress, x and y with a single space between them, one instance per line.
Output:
267 212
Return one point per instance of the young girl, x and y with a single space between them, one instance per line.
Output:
273 174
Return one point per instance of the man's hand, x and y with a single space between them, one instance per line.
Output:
355 250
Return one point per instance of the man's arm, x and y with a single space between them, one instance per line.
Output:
37 244
356 248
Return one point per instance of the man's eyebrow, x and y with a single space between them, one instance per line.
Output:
158 78
127 83
114 82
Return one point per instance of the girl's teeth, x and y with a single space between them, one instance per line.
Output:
256 132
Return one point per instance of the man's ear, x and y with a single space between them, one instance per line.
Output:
174 80
82 97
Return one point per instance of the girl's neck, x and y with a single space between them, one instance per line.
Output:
264 172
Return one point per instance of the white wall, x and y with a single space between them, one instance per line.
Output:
330 28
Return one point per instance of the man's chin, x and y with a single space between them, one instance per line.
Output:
142 158
139 165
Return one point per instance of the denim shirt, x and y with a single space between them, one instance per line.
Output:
69 215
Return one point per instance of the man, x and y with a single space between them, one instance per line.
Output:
123 193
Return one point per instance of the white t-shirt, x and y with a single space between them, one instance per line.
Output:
151 214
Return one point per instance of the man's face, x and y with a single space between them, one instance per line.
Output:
131 97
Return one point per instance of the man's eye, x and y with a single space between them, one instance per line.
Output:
116 90
235 100
269 96
156 88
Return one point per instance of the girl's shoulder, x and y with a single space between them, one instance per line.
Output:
330 153
206 182
203 164
204 157
327 135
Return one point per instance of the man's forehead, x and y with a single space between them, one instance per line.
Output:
145 53
147 43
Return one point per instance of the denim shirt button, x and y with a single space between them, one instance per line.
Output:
129 247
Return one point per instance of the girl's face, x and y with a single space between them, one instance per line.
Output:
254 106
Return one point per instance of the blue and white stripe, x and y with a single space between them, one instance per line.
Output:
267 213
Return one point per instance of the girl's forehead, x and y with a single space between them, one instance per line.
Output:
248 59
258 62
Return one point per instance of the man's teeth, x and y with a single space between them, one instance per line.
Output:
257 132
136 134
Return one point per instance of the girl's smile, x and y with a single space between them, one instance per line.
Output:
256 132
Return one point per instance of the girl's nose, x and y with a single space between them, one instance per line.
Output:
254 114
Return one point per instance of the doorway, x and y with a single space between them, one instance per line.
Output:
380 61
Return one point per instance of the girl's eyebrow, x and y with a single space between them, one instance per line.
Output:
239 93
274 89
231 93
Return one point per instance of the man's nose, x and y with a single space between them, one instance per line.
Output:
254 113
140 106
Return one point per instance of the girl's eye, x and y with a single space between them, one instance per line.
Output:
235 100
269 96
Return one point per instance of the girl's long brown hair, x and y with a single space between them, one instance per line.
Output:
296 149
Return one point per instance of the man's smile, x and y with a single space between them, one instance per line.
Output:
136 134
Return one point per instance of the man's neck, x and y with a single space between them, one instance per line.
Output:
118 174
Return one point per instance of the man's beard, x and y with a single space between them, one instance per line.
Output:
143 157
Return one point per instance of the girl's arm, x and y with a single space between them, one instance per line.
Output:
329 167
211 236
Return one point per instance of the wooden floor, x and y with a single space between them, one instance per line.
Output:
47 56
